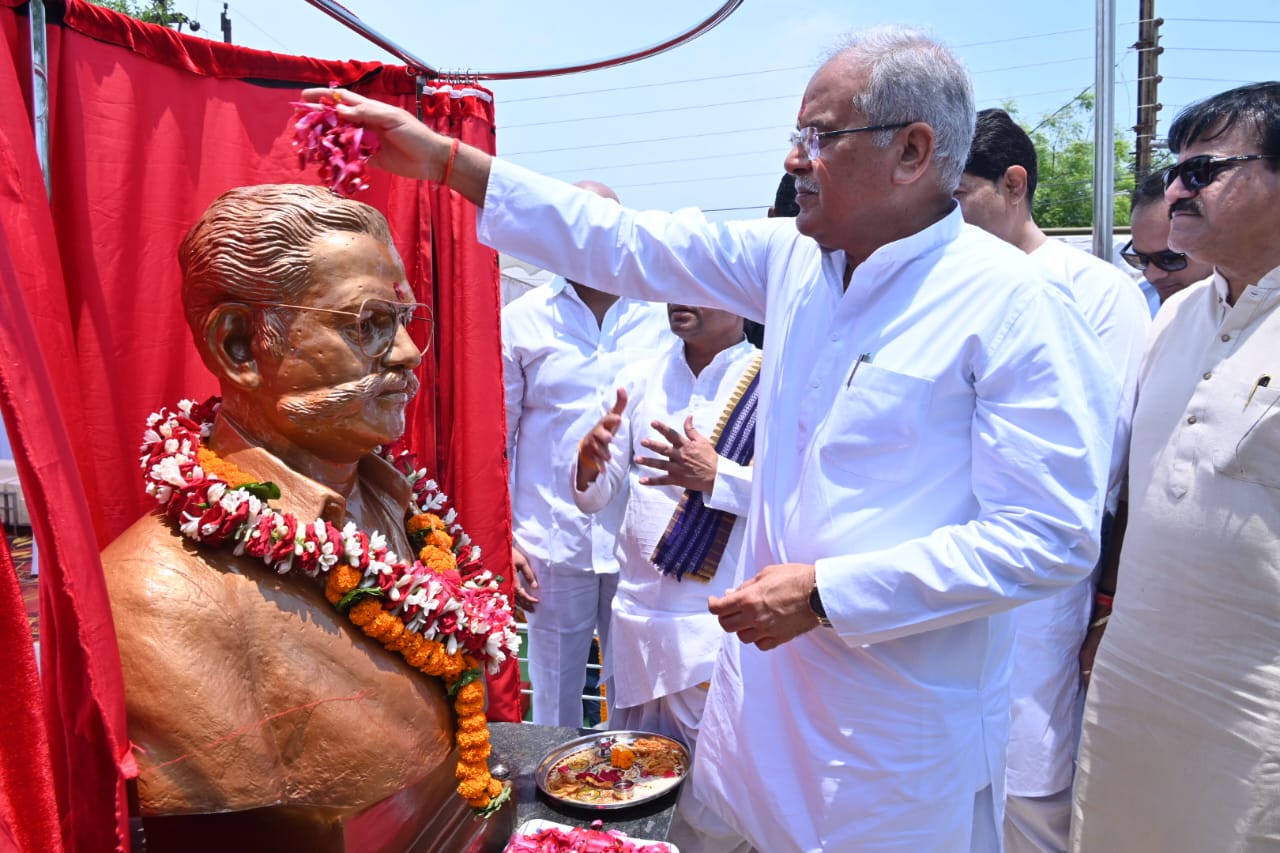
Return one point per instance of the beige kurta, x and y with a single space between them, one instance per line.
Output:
1181 742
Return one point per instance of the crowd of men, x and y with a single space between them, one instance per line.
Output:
943 420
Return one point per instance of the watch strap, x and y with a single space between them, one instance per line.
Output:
816 606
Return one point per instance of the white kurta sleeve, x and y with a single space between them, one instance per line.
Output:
1041 443
654 255
731 490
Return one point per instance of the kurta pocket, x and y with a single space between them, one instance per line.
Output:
874 426
1248 445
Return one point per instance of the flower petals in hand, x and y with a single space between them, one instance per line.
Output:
342 149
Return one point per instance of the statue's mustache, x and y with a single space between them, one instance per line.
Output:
341 398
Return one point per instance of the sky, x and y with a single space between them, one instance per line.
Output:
706 124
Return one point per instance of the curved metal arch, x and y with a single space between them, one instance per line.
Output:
336 11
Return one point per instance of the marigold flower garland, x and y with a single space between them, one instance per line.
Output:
443 613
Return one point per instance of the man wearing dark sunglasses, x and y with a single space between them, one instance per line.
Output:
1148 250
1180 742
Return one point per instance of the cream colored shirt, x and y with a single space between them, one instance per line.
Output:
1181 742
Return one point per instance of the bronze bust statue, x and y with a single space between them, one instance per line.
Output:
261 716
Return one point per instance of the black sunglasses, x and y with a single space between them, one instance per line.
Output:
1166 259
1200 171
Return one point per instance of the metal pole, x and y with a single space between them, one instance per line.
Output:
1104 121
40 89
342 14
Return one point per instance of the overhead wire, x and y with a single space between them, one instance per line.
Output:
239 12
794 68
787 69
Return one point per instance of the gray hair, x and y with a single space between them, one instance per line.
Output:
912 77
254 244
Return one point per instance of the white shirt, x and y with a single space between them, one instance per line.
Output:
959 472
1045 687
664 639
1181 743
558 367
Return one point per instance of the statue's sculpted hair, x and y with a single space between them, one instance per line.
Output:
254 243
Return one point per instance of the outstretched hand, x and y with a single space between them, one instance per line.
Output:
593 450
688 461
771 608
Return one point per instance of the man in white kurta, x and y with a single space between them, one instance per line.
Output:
664 640
557 357
996 193
935 427
1180 751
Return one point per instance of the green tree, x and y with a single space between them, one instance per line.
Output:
151 11
1064 149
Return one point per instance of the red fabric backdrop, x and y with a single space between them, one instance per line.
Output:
148 128
28 808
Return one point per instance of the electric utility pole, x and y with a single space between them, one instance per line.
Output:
1149 50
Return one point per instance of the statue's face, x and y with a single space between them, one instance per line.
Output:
327 395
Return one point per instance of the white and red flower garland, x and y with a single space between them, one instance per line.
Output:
443 612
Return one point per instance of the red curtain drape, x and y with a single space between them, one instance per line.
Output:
28 808
148 127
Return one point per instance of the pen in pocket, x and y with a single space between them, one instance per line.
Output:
1263 381
862 359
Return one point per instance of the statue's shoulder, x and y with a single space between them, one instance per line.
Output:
151 565
246 687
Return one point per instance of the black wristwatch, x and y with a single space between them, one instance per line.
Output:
815 604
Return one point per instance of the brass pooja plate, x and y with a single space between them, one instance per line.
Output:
586 772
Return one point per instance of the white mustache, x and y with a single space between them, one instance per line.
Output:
805 185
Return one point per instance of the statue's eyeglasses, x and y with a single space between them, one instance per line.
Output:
376 322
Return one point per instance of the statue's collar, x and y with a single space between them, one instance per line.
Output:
301 495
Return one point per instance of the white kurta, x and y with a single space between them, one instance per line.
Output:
1045 722
664 639
558 365
959 472
1181 745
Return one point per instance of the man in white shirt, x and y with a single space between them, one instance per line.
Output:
680 534
561 344
932 451
1165 270
1180 751
996 193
